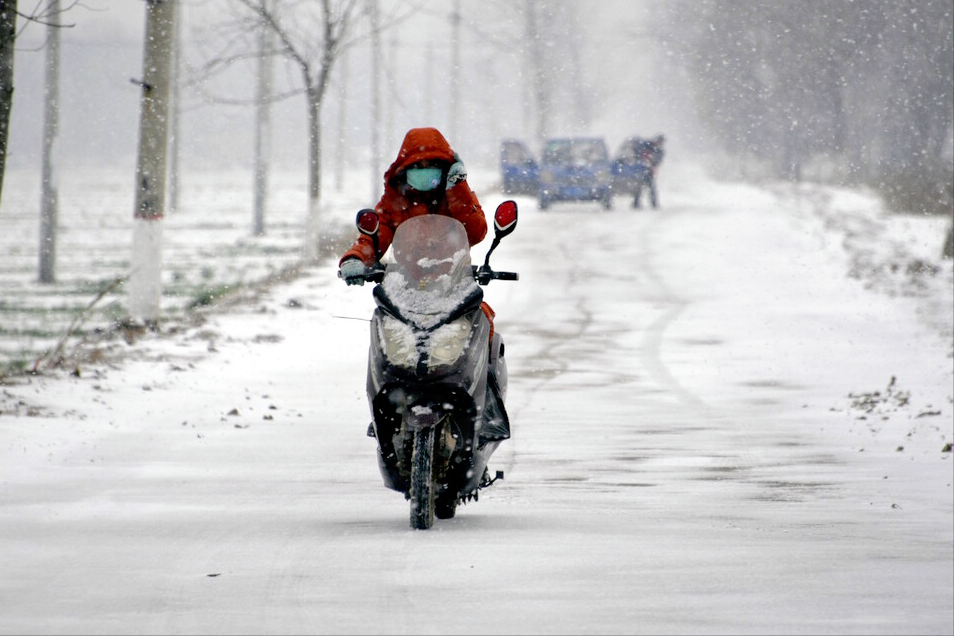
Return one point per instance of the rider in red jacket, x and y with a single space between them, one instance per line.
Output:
426 178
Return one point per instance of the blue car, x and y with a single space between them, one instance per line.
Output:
575 169
519 171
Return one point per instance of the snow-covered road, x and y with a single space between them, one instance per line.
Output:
698 446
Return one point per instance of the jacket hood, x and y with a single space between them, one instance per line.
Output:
420 144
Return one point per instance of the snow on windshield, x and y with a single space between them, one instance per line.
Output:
431 274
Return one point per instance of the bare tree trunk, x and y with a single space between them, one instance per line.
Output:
263 88
539 77
145 281
376 161
948 251
8 34
391 104
455 72
312 224
342 137
430 84
49 203
175 86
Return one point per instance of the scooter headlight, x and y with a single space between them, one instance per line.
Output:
399 342
447 343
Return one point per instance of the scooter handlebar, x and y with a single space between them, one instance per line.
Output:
482 275
375 276
372 275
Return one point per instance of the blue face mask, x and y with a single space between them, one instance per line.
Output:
423 179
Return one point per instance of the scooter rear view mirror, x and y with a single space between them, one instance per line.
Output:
505 222
505 219
367 222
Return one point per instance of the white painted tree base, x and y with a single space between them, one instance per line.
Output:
145 279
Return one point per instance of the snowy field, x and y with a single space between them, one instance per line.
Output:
733 414
208 251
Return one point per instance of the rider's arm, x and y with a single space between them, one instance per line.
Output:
362 249
465 207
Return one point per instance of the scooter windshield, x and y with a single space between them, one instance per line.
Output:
431 274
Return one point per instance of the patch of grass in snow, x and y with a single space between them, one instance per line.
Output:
209 295
209 256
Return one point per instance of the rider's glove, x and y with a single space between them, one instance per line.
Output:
456 173
353 271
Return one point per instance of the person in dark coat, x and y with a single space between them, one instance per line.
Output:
650 156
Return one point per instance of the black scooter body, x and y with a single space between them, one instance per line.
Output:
467 395
436 380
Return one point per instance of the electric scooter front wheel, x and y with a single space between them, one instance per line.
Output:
423 489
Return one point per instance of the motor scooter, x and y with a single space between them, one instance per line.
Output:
436 381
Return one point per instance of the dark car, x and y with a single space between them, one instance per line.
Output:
519 171
575 169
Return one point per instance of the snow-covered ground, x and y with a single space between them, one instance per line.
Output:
731 415
207 249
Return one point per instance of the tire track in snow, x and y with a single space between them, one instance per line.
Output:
651 348
556 343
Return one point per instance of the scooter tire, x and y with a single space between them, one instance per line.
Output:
423 489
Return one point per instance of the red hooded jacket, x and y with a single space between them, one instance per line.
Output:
400 203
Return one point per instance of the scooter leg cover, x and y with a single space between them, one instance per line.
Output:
496 423
490 316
